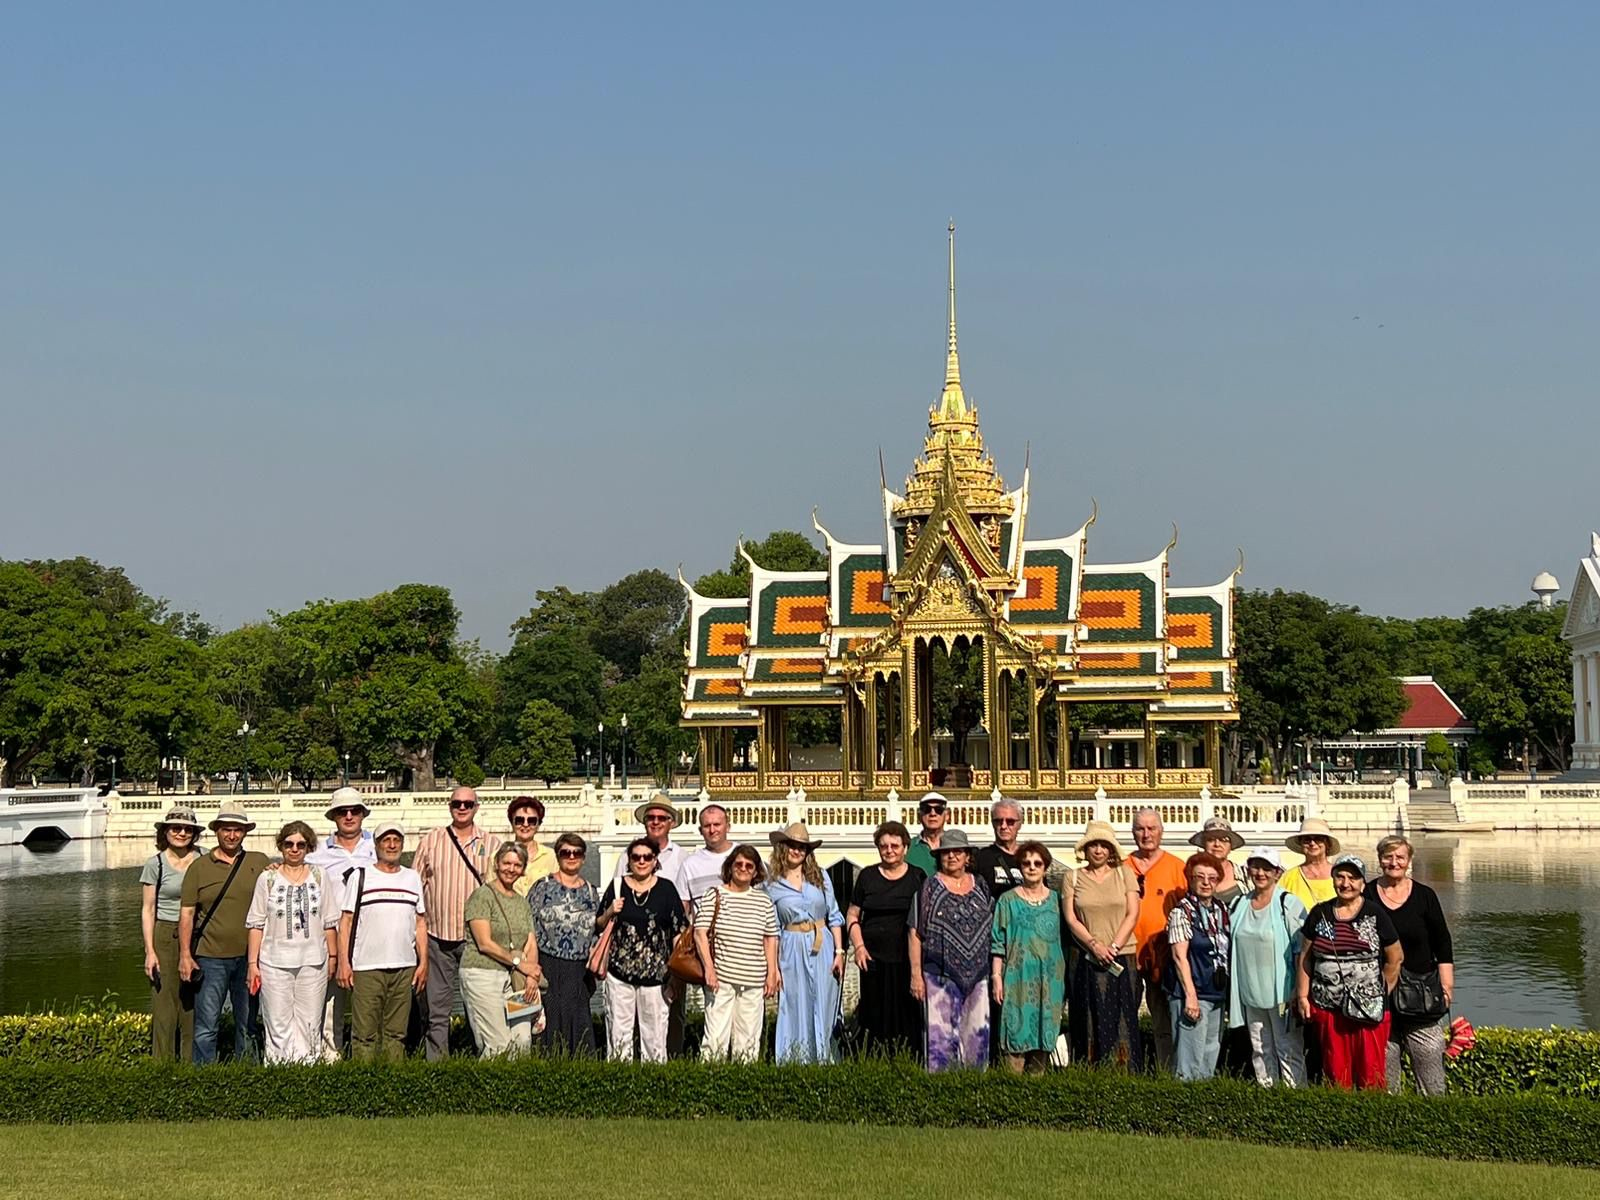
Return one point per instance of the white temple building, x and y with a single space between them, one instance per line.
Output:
1582 633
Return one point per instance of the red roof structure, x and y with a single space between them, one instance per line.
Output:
1429 708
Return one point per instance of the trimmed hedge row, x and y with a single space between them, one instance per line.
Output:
1544 1128
1563 1062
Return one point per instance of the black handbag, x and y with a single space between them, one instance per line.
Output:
1420 994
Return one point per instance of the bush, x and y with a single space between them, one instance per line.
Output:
1527 1128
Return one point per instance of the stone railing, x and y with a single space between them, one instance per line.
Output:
1527 805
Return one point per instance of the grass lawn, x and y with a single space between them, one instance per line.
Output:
453 1157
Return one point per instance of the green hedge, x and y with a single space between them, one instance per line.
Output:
1563 1062
1526 1129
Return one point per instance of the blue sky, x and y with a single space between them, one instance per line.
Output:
302 301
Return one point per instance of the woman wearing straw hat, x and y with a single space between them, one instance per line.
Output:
1312 880
1218 839
161 886
810 948
1101 905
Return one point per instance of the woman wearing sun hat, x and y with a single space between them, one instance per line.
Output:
950 958
1312 880
1350 964
1266 945
1218 839
1101 906
810 948
161 889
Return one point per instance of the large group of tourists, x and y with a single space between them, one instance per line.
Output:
966 956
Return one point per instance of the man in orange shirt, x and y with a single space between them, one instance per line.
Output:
1161 886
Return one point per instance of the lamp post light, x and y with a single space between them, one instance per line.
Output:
113 772
88 765
600 766
345 779
624 754
588 761
244 732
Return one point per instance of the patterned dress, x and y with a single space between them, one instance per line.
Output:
956 933
1027 937
563 929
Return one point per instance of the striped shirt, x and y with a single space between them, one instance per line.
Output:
446 882
386 934
745 920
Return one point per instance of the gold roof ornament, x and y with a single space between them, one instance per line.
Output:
953 435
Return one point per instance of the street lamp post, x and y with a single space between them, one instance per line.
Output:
600 773
588 761
244 732
624 754
345 779
113 772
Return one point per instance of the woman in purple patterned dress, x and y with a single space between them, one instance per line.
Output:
949 942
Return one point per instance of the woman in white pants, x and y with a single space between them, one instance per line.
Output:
648 916
1266 925
736 934
293 926
500 962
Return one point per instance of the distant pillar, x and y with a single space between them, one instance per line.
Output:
1033 729
1150 751
870 740
1592 694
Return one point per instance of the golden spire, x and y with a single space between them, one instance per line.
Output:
953 435
953 403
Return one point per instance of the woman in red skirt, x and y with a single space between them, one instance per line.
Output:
1350 964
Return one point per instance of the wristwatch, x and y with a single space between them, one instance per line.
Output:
516 960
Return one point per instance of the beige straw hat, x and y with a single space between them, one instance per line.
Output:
1315 827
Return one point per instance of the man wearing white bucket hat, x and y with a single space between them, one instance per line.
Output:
348 848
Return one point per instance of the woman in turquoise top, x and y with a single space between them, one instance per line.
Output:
1266 942
810 948
1028 976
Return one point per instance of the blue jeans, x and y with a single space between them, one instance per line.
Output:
1195 1047
222 979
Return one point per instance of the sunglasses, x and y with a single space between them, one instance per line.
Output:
1032 864
744 864
931 808
656 818
641 858
569 853
526 821
1007 821
346 812
463 805
293 844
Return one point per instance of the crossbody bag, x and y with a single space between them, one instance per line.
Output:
461 850
200 930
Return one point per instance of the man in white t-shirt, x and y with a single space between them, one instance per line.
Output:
339 854
700 870
383 948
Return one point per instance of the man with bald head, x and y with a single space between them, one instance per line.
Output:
453 861
1161 886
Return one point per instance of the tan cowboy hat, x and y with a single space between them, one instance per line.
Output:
662 801
1316 827
1213 827
1098 831
796 833
232 816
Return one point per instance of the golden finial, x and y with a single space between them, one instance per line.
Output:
953 404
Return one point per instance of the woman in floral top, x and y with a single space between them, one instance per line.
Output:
564 906
649 916
1350 964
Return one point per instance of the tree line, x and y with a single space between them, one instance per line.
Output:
91 668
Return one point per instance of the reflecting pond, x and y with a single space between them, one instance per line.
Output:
1524 909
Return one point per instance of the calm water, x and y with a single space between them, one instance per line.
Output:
1524 909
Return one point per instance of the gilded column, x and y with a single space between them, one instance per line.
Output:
1214 752
1063 740
1150 751
1033 729
870 741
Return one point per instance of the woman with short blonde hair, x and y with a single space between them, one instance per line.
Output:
1427 985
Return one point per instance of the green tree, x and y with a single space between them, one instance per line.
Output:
637 616
1439 754
545 741
653 702
782 550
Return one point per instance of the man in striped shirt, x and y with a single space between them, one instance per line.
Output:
453 862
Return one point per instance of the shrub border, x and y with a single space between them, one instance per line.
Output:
1545 1128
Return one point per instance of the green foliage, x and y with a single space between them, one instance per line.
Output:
783 550
466 772
545 741
1310 669
1440 755
1537 1129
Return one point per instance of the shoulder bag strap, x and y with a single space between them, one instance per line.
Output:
161 863
355 913
716 911
200 930
456 842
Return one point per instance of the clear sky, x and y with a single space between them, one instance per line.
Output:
312 300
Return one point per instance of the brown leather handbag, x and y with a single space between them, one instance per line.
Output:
685 962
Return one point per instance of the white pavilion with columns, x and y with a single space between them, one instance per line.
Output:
1582 632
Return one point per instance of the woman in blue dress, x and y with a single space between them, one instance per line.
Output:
810 948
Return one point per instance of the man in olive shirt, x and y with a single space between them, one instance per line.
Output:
212 941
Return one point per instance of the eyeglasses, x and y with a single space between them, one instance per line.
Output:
931 808
641 858
294 844
569 852
463 805
1032 864
526 821
656 818
1007 821
183 829
346 812
744 864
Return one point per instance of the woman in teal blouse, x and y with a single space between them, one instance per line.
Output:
1029 970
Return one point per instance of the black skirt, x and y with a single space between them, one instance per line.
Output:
888 1016
568 987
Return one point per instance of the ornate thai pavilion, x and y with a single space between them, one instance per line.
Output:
959 571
